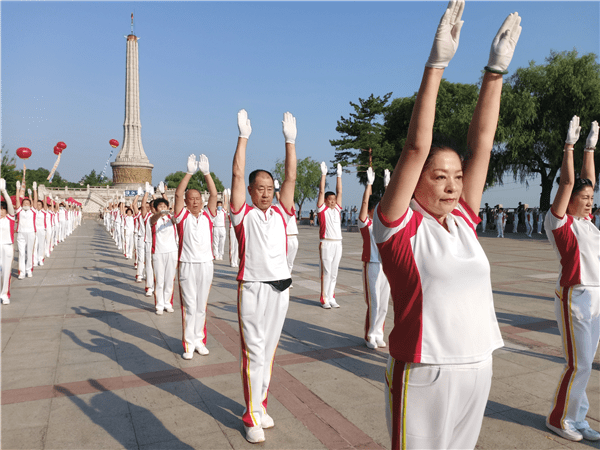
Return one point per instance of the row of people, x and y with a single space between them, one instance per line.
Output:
40 223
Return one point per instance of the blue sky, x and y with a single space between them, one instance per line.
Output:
63 73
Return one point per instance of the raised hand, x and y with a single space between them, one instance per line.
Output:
447 36
140 191
503 45
289 128
323 168
592 139
573 132
370 176
147 187
29 192
203 164
276 183
161 187
2 185
244 124
192 165
18 187
386 177
34 186
339 170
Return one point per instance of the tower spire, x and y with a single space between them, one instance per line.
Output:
132 23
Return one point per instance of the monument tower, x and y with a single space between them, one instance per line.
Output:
131 166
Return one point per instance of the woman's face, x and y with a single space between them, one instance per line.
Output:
3 212
440 185
580 204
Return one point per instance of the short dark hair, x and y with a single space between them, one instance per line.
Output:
328 193
581 183
128 209
373 200
254 173
160 200
4 205
219 201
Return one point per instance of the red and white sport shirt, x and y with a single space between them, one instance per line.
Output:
330 222
577 244
195 236
440 285
370 252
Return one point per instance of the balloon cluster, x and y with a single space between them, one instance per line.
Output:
59 147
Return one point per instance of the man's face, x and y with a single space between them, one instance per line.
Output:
261 191
330 201
193 201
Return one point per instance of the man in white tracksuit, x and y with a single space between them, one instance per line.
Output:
264 277
219 232
25 216
194 228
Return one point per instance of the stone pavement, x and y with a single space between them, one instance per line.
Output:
86 364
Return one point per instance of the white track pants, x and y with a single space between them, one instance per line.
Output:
62 231
55 235
149 267
218 242
436 406
500 228
234 258
484 223
6 260
377 297
292 250
261 313
540 222
165 266
40 246
515 224
578 315
48 247
128 244
331 254
194 286
25 243
140 255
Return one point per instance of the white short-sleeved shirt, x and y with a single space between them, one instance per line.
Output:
164 235
292 226
440 285
370 251
219 218
148 233
62 214
129 224
262 241
7 229
25 220
41 220
195 236
576 241
330 222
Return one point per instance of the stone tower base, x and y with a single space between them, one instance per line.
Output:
131 175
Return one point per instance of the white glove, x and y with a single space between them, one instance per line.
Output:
386 177
29 192
161 187
323 168
289 128
574 130
140 191
2 184
192 165
203 164
276 182
152 191
339 170
503 45
147 187
244 124
592 138
18 187
447 36
34 186
370 176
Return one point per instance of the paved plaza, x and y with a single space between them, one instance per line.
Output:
86 364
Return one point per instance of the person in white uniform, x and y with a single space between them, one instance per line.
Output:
128 231
500 221
263 277
25 216
540 219
7 239
234 257
194 227
329 207
41 223
439 371
528 220
376 286
49 225
576 241
140 235
219 235
147 212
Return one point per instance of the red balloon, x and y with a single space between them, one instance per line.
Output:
23 152
113 143
57 150
61 145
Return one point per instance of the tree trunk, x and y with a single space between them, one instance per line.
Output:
547 181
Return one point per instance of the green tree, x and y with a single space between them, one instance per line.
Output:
197 182
93 179
365 129
538 102
8 171
308 175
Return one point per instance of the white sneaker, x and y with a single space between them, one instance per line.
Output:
149 293
169 309
589 434
41 263
188 355
267 421
371 344
202 350
159 312
138 280
571 435
254 435
6 301
326 305
21 276
334 304
29 274
381 343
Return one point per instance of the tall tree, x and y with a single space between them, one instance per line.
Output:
93 179
197 182
308 175
537 104
365 129
8 171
